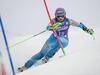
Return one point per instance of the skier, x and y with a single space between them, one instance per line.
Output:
2 68
51 46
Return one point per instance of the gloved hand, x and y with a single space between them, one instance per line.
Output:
90 31
49 27
56 25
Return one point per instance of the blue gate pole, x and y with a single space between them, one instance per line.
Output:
6 43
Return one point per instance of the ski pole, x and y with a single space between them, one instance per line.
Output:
53 27
93 37
56 25
27 39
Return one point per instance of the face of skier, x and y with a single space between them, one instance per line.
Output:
60 18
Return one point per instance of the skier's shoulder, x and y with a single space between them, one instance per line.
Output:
69 19
72 22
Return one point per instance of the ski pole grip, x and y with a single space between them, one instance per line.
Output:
91 32
56 25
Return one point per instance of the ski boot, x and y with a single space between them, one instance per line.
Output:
44 60
21 69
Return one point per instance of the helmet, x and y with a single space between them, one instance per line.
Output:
60 12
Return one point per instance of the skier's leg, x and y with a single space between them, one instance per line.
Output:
32 60
48 55
55 48
45 49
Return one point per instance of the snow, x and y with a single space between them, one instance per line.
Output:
82 55
80 63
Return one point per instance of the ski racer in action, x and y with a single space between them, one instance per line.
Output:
51 46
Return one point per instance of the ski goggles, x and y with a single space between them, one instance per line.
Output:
61 16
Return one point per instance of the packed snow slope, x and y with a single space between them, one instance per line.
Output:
84 62
82 56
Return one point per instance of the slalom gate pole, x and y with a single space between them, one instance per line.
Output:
26 39
7 48
53 27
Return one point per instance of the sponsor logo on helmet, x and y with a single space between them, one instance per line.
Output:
59 11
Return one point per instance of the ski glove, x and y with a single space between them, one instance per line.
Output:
56 25
90 31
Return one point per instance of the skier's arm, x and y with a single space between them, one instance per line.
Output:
88 30
73 23
81 25
48 27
